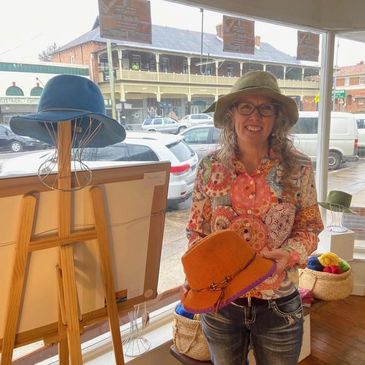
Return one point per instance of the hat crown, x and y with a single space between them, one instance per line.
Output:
256 79
215 257
339 198
261 83
70 92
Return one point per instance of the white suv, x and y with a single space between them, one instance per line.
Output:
194 119
163 124
138 146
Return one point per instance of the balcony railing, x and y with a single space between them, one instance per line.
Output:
193 79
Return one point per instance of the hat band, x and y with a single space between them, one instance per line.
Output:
224 283
336 205
67 110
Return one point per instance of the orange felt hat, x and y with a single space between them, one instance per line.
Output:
220 268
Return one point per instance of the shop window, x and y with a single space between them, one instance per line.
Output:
164 64
36 91
278 71
293 73
136 62
14 91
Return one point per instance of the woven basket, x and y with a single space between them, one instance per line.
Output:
326 286
189 338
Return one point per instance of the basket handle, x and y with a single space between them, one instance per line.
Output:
314 281
192 340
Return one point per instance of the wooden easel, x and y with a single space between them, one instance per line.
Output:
69 324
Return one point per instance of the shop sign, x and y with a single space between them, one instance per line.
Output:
126 20
238 35
339 94
308 46
18 100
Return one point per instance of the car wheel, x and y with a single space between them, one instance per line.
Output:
334 160
152 130
16 146
181 129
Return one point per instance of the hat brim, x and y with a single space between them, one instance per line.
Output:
33 125
225 102
337 208
205 301
211 108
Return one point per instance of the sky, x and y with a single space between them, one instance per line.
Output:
28 27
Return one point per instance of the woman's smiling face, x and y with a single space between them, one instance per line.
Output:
254 128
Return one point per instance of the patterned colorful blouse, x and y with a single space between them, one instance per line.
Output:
258 208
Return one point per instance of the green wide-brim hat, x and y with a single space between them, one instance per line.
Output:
338 201
261 83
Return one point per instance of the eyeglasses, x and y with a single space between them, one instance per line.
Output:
265 110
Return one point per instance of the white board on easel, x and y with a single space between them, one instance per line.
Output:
135 201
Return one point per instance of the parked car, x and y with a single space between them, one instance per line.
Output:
360 120
194 119
12 142
343 142
137 147
203 139
163 124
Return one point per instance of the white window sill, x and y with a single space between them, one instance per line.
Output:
99 350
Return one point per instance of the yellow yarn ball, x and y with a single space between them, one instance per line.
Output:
329 259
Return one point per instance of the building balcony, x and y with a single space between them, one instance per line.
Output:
164 82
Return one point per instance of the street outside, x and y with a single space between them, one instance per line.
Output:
349 178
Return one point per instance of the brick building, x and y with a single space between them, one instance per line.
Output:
172 74
350 86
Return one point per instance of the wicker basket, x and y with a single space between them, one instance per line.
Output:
189 338
326 286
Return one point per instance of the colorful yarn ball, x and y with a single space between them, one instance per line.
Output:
333 269
344 265
329 259
314 264
183 312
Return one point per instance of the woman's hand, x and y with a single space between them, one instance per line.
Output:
280 256
185 288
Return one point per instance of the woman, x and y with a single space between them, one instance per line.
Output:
258 185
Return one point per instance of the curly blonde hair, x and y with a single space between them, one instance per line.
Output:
279 142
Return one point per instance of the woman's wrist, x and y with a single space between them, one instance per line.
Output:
293 257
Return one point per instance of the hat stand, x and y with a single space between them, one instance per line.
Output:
69 326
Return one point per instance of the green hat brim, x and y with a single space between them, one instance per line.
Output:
337 208
211 108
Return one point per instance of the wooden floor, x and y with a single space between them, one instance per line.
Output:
338 333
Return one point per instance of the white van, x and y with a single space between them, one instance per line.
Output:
360 119
344 137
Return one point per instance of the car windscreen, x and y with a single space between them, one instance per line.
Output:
181 151
120 152
305 125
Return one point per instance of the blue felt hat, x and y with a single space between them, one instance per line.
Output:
75 98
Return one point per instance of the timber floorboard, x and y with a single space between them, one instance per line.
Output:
338 332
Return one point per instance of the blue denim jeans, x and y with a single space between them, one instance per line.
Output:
274 331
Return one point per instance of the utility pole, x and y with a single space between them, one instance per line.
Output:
111 77
335 77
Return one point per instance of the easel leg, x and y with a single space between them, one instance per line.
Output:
66 251
63 353
19 275
103 241
71 304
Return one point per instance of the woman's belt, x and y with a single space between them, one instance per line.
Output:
252 301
